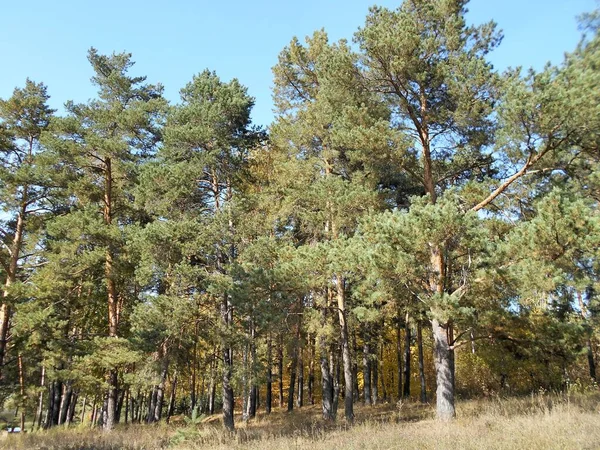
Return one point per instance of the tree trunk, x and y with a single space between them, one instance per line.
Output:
94 413
406 390
22 391
120 400
194 364
293 368
590 357
375 381
590 348
355 388
245 383
82 416
111 288
346 357
252 404
421 362
160 389
5 312
269 394
40 401
366 371
71 410
48 418
384 391
139 408
212 387
444 372
171 407
64 402
127 404
280 370
399 356
151 405
104 416
11 277
300 396
58 386
326 377
311 371
334 362
228 400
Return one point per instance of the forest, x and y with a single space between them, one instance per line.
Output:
413 226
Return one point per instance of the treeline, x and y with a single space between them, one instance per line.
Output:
413 224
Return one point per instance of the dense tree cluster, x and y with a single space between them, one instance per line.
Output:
413 224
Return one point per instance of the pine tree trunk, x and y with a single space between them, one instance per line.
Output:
48 417
245 387
346 357
293 368
444 372
139 407
40 401
407 357
212 389
355 390
120 400
421 362
280 370
375 379
160 389
443 354
64 402
590 357
326 378
334 362
300 396
127 404
22 391
82 416
228 400
5 312
406 390
590 348
151 405
171 407
94 413
11 277
252 406
399 356
311 371
111 287
269 394
71 410
194 364
366 371
384 391
58 387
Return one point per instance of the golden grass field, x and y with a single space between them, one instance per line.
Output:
534 422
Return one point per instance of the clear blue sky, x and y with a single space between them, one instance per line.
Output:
171 41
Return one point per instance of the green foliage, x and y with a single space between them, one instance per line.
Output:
403 182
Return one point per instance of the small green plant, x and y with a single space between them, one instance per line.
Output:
190 432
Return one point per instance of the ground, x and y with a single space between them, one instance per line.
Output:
534 422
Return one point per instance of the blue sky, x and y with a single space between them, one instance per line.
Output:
171 41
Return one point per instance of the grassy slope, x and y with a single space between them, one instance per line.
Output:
538 422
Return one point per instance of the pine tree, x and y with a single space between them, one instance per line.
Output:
336 135
102 144
196 179
24 189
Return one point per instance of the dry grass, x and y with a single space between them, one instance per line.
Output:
536 422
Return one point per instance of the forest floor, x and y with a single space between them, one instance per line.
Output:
534 422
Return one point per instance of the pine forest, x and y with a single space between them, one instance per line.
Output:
414 227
